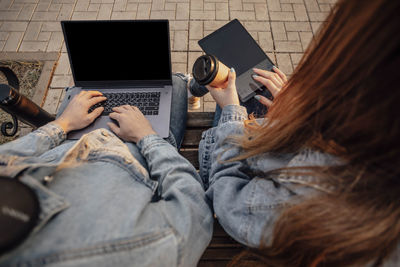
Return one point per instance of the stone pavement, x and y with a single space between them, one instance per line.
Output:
283 28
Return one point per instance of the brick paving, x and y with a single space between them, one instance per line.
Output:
283 28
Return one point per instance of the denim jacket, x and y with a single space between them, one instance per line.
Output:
108 203
246 205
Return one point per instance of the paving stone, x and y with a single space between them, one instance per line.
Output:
287 7
213 25
297 26
209 106
104 12
165 14
194 46
243 15
179 67
208 98
55 7
265 41
32 46
62 65
182 11
315 27
44 36
15 7
202 15
196 5
13 26
123 15
293 36
84 15
282 16
2 43
300 12
209 6
274 5
278 31
27 12
131 7
257 25
55 42
288 46
195 30
81 5
179 57
170 6
51 27
143 11
296 58
120 5
5 4
311 5
157 5
32 31
261 12
325 7
180 41
13 42
235 5
178 25
66 12
222 11
248 7
43 7
9 15
60 81
44 16
3 36
52 100
317 16
305 37
284 63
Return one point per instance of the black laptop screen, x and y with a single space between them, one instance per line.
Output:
118 51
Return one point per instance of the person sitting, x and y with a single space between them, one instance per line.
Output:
105 202
317 182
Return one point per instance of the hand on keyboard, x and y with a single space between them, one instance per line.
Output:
133 125
148 102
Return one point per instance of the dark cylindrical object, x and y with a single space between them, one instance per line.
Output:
208 70
24 109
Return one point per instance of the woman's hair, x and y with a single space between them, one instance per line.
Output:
343 99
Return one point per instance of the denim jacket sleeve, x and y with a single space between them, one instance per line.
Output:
35 143
242 204
182 196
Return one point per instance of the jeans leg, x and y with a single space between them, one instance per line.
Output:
178 108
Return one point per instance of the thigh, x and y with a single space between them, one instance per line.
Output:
178 108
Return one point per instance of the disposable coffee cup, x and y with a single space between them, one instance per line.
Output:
208 70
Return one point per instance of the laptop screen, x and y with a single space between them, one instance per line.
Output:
118 52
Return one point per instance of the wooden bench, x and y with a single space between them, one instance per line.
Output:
222 248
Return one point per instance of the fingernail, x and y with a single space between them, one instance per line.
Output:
254 76
274 67
232 70
257 97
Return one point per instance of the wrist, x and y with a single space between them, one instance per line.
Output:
138 138
63 124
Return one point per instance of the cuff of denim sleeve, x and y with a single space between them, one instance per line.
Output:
149 141
233 113
54 132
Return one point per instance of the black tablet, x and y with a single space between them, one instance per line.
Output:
235 47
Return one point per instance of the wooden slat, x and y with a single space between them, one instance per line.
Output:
200 119
191 155
192 138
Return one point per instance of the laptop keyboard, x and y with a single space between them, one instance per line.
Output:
148 102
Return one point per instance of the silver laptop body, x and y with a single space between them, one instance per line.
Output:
130 57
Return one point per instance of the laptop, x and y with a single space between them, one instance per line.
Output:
128 61
235 47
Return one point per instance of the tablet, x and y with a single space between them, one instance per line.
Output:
235 47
